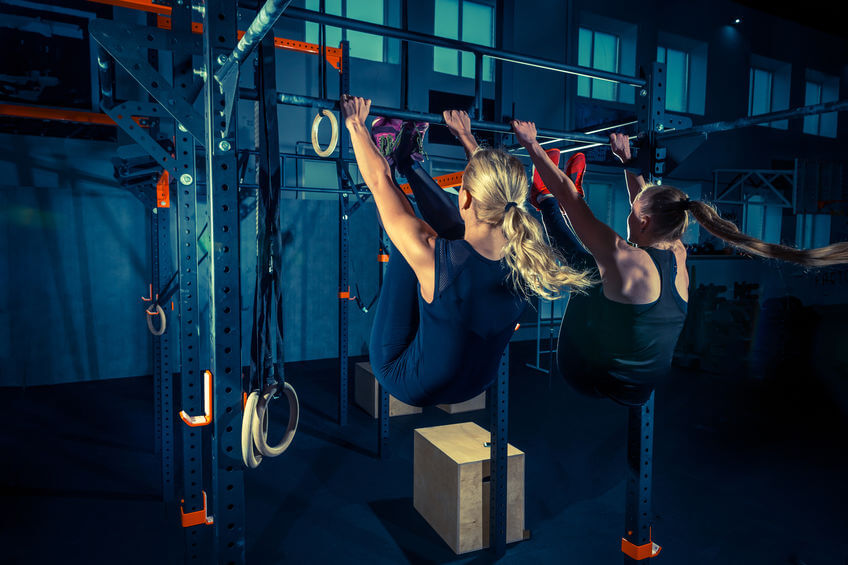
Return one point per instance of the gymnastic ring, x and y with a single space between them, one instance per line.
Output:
334 139
251 457
260 422
150 316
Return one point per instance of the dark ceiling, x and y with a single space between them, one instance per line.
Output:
828 16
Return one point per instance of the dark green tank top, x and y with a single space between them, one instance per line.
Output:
629 343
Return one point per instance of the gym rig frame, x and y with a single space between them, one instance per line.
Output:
215 529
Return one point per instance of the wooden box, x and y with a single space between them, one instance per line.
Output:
451 485
367 390
476 403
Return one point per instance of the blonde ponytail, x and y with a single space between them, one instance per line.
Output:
498 183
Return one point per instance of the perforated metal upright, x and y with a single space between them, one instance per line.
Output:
384 417
498 398
228 504
344 246
637 544
650 113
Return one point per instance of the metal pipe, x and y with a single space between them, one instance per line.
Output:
386 31
311 102
811 110
261 25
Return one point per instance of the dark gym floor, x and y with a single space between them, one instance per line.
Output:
744 472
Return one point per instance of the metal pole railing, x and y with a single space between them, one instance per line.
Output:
813 109
312 102
518 58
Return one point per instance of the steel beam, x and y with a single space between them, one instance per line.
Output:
224 334
836 106
415 37
312 102
498 398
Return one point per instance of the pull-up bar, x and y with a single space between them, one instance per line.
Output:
320 103
415 37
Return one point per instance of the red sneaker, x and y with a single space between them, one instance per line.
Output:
538 188
575 169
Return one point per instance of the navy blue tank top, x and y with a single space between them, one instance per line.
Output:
464 331
628 344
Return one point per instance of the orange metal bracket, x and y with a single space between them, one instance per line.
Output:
346 295
445 181
206 419
383 258
163 194
58 114
197 518
143 5
640 552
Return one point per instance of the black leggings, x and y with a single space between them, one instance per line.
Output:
396 318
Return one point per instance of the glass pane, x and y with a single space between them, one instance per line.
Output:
599 199
365 45
584 48
761 92
446 60
477 24
812 95
446 23
467 65
311 32
583 87
604 58
605 52
366 10
676 81
755 217
660 54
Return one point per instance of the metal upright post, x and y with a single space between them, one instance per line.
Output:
478 86
219 26
162 367
650 113
499 411
191 393
344 246
637 544
383 399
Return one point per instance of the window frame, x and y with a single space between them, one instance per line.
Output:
387 12
487 69
592 81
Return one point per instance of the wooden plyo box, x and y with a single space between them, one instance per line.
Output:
452 467
476 403
366 394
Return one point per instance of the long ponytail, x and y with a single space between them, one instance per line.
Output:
707 216
667 206
495 179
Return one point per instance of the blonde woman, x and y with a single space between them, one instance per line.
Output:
448 307
618 340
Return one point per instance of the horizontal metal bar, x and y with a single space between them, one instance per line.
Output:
312 102
811 110
510 57
55 114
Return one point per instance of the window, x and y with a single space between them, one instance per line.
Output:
686 72
607 45
762 220
600 51
812 230
472 22
768 88
362 45
820 88
610 204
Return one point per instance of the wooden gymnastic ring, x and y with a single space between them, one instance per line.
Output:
251 457
260 422
334 125
150 316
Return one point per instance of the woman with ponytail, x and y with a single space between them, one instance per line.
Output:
456 283
618 340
